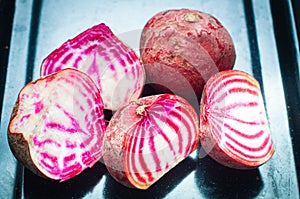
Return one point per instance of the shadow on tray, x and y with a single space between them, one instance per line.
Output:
212 179
78 187
160 189
217 181
81 185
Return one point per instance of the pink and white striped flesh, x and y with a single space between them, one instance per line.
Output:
147 138
114 67
233 123
61 121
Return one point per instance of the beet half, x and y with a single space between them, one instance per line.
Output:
57 125
233 122
114 66
148 137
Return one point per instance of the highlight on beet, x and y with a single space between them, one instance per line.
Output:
57 125
148 137
233 122
114 66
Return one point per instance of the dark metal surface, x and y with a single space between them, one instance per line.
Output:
265 37
288 54
6 21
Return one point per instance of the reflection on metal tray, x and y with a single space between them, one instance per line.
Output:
265 38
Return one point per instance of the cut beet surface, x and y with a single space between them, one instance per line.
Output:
233 123
57 125
114 67
148 137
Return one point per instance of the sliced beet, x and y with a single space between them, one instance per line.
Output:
57 125
147 138
114 66
233 122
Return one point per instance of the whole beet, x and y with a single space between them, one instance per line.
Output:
182 48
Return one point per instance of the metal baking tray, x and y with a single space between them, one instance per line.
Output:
265 37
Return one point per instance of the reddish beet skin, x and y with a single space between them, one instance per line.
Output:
182 49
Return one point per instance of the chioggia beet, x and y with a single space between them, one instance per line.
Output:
57 125
114 67
182 48
233 122
148 137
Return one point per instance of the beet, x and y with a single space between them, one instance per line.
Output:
114 66
182 48
57 125
233 122
148 137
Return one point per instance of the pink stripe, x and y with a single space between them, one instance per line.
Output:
231 91
248 155
154 155
40 144
54 168
240 104
251 149
70 145
176 129
221 114
256 135
217 79
132 161
25 117
60 127
71 171
243 90
216 128
69 158
89 49
38 107
129 57
87 159
141 157
122 62
227 79
160 132
67 58
77 61
189 133
257 122
242 80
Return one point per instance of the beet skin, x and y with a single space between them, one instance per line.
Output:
181 49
